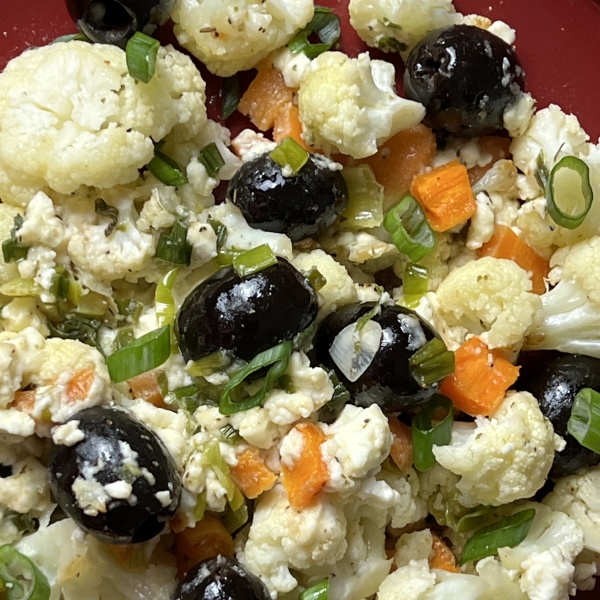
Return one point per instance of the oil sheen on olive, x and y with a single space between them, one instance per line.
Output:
221 578
300 205
115 21
387 381
245 316
465 77
116 448
555 389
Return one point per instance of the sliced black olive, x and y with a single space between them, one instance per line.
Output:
116 449
115 21
245 316
555 388
221 578
5 471
387 381
300 205
465 77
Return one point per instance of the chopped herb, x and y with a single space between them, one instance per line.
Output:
108 211
212 160
13 249
173 246
326 25
231 95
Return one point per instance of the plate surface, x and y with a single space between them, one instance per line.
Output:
556 43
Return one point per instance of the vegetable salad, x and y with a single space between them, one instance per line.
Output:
349 350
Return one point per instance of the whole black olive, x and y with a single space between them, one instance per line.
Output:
465 77
300 205
115 21
245 316
221 578
555 389
387 381
118 483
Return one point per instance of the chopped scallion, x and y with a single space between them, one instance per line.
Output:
22 578
425 434
234 520
166 170
60 286
390 44
474 520
20 288
365 198
173 246
255 260
431 363
189 398
141 53
414 284
507 532
584 422
209 364
230 435
13 250
290 153
231 95
569 192
326 25
341 396
141 355
410 231
163 298
211 158
75 327
320 591
316 279
276 358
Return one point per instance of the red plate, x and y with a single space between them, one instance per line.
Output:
556 43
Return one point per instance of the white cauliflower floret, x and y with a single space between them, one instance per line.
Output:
399 25
507 456
281 538
27 488
235 35
291 66
21 313
577 496
408 582
157 211
362 247
349 105
339 286
489 297
40 266
41 226
256 427
518 114
98 125
481 228
203 240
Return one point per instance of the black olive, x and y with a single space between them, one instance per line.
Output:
387 381
300 205
115 21
555 389
465 77
5 471
221 578
245 316
116 448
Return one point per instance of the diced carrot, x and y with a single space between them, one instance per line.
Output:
401 158
287 124
147 387
79 386
402 448
480 379
251 474
495 145
505 243
24 401
309 473
266 95
441 557
445 195
206 539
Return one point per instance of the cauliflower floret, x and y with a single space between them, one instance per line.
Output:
507 456
22 313
349 105
408 582
235 35
157 212
41 225
482 222
490 297
27 488
281 538
339 286
399 25
98 125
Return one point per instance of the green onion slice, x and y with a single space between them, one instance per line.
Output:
507 532
12 248
22 578
290 153
231 95
142 355
20 288
410 231
425 434
212 159
166 170
326 25
584 422
474 520
163 298
316 279
189 397
431 363
209 364
141 53
276 358
254 261
414 284
365 198
76 327
173 246
569 192
230 435
234 520
72 37
60 286
211 457
341 396
316 592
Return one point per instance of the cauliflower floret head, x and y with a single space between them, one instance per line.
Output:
349 105
234 36
71 115
507 456
490 297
